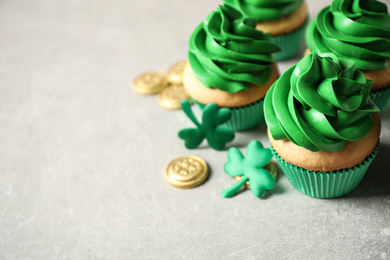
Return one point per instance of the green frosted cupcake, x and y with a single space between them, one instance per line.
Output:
231 65
285 19
360 31
323 127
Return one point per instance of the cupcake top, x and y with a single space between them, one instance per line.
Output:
353 29
320 103
264 10
228 53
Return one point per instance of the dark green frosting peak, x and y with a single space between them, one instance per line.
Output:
353 29
320 103
227 52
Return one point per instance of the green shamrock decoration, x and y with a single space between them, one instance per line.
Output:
250 168
216 135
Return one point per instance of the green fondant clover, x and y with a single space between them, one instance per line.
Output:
250 168
216 135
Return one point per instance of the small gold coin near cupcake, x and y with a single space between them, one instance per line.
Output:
150 83
186 172
175 73
171 97
271 167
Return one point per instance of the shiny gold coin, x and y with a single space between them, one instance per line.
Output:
175 73
150 83
171 97
186 172
271 167
238 178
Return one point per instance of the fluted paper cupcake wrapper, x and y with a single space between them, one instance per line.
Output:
380 98
325 184
289 43
246 117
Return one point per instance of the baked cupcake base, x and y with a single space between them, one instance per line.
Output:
244 118
325 184
290 43
247 106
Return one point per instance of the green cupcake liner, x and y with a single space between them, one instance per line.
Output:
381 98
325 184
289 43
244 118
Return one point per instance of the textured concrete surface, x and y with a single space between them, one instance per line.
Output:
82 157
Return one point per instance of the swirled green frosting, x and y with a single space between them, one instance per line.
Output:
264 10
228 53
320 103
353 29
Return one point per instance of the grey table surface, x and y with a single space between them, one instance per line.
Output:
82 157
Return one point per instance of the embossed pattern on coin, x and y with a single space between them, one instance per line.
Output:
271 167
171 97
175 73
186 172
150 83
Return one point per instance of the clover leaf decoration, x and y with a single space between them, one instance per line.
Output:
216 135
250 168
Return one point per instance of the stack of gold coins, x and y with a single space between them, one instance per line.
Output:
168 86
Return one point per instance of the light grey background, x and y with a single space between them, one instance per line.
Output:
82 157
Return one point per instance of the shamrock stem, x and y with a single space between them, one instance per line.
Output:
233 190
186 107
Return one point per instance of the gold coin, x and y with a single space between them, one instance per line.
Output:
186 172
238 178
171 97
150 83
271 167
175 73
